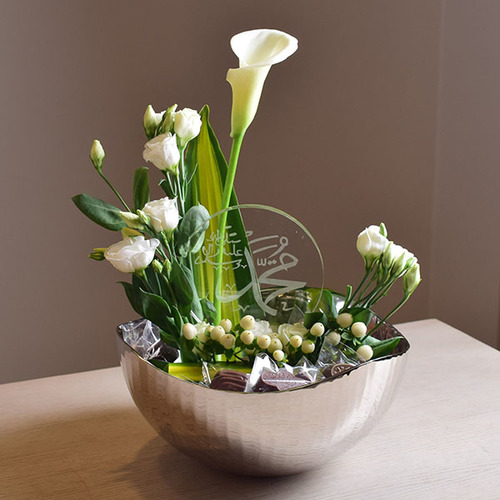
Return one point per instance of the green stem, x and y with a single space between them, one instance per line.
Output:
99 171
358 288
385 318
226 198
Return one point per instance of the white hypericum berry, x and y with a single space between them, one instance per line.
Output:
189 331
278 355
296 341
275 345
358 329
247 337
227 341
364 352
317 329
202 337
226 324
247 322
333 338
308 346
217 333
344 320
263 341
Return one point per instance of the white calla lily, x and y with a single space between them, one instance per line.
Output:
257 51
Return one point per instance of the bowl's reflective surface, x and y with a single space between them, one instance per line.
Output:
264 433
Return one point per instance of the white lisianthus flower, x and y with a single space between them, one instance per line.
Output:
132 254
257 51
261 327
371 244
286 331
163 214
162 152
187 125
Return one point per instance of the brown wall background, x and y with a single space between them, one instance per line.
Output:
388 112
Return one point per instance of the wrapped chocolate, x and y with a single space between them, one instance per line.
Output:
144 337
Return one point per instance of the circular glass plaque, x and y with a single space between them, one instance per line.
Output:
252 257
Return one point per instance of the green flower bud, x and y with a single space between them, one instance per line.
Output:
143 217
130 233
411 279
97 254
133 221
167 122
157 266
151 121
97 154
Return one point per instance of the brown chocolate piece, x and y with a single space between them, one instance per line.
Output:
229 380
281 380
167 352
337 370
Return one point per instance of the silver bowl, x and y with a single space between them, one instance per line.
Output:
265 434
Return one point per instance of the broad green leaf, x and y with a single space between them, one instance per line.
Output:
206 158
129 290
364 316
191 231
382 347
141 188
314 317
159 312
183 287
166 188
208 310
99 211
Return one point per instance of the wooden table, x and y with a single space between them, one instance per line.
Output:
80 437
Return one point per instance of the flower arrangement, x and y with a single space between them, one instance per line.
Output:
181 294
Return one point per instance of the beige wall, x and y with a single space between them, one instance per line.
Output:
345 137
466 236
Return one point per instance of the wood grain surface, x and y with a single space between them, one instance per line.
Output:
80 437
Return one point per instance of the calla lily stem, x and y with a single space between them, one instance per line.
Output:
226 198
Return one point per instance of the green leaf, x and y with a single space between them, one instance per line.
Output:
364 316
208 309
185 291
205 158
159 312
99 211
311 318
191 231
141 188
129 290
166 188
382 347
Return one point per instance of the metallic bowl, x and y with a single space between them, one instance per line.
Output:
265 434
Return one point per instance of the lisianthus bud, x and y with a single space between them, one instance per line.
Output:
257 51
371 244
411 279
151 121
167 123
401 263
97 154
97 254
163 214
162 152
132 254
157 266
187 125
132 220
